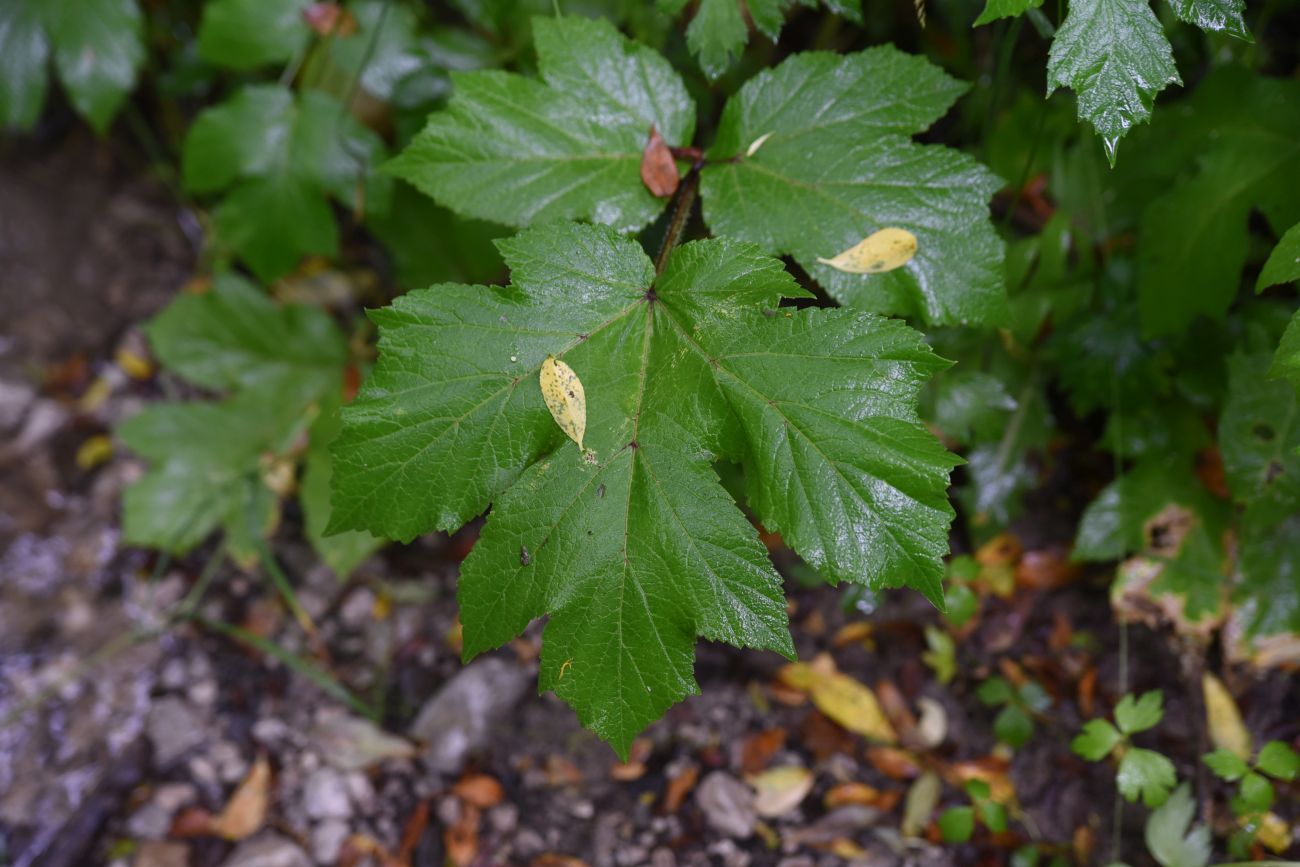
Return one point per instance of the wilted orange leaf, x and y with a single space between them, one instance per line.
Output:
860 793
893 763
1002 550
758 749
479 790
460 838
679 786
245 812
658 168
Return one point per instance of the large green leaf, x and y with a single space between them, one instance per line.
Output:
1168 837
515 150
1286 363
208 459
244 34
279 155
1114 55
718 32
995 9
1214 15
1259 434
1283 265
207 468
98 49
23 55
235 336
632 546
836 164
1193 238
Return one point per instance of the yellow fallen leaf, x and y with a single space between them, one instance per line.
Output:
94 451
565 398
1227 731
245 812
780 790
877 253
756 144
1273 832
849 703
133 364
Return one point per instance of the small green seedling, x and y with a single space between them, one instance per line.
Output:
957 824
1014 724
1255 793
1142 773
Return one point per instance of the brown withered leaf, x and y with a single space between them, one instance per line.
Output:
1002 550
1046 569
554 859
460 838
757 750
245 812
679 786
329 19
634 767
479 790
658 168
893 763
844 794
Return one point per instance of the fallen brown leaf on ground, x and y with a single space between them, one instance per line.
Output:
479 790
245 812
679 786
757 750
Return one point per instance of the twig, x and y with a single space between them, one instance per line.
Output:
683 204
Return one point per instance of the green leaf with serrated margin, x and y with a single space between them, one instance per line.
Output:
1279 761
632 547
1283 265
98 49
995 9
718 33
1147 775
1134 715
517 151
1096 740
206 468
1214 15
1114 55
245 34
24 52
279 156
838 164
235 336
342 552
1226 764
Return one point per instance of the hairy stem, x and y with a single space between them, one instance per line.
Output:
683 204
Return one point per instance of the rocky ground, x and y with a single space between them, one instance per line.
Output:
133 735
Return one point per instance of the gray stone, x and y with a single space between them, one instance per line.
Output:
268 850
15 399
459 717
174 729
325 795
327 840
727 804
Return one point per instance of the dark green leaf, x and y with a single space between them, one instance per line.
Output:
342 552
995 9
1286 363
993 815
1145 774
234 336
632 547
1213 15
429 244
1283 265
1096 740
1270 571
1114 55
518 151
1193 237
23 55
994 691
98 49
279 155
839 165
1013 726
1259 434
956 824
244 34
